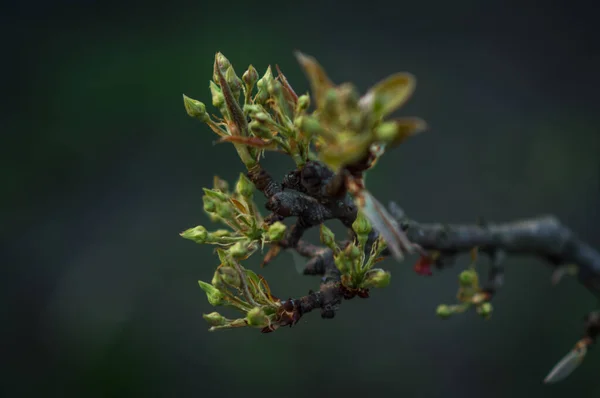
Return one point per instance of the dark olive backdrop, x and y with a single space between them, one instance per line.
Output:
101 169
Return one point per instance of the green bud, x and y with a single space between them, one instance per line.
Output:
276 231
262 96
263 117
257 317
235 83
218 100
274 88
467 277
259 129
331 96
252 109
240 249
214 296
444 311
215 319
226 275
352 251
342 264
263 82
244 186
197 234
386 132
327 237
309 125
485 310
225 210
209 204
224 64
330 104
377 277
223 61
250 77
361 224
303 103
195 108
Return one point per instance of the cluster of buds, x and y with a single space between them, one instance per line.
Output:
344 127
469 294
266 119
239 288
237 210
233 285
347 126
353 262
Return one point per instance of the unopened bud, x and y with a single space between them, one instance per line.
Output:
252 109
352 251
262 96
234 82
215 319
263 117
209 204
195 108
330 103
238 250
218 100
444 311
222 63
263 82
259 129
276 231
250 77
214 296
197 234
303 103
226 275
327 237
274 88
467 278
485 310
309 125
343 264
386 132
361 224
377 277
257 317
244 186
225 210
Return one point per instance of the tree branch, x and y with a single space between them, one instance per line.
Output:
354 135
544 237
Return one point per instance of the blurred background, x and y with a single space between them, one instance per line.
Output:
101 169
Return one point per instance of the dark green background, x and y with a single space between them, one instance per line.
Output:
101 169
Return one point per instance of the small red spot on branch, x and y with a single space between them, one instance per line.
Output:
423 266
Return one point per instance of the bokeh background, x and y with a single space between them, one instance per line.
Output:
101 168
